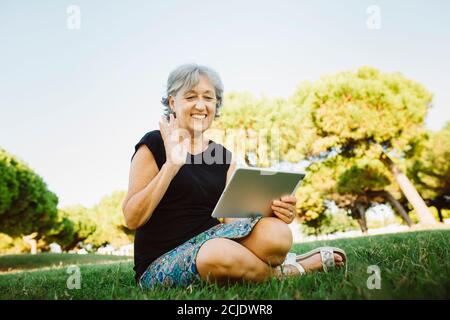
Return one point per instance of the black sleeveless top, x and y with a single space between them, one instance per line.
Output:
185 209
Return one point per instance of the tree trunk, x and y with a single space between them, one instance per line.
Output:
398 206
441 217
409 191
361 214
439 203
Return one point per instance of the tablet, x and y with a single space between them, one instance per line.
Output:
251 190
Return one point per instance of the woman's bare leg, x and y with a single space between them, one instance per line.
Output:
254 258
225 261
270 240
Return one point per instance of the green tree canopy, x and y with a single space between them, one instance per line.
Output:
99 225
26 204
429 167
255 122
109 221
74 224
358 117
350 109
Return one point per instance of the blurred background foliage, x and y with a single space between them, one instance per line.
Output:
359 135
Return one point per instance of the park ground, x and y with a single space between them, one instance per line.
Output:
412 265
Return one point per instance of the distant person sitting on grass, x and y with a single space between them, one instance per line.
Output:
173 191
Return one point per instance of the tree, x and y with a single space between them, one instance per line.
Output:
352 183
26 204
266 129
333 219
99 225
338 116
109 221
74 225
364 116
429 168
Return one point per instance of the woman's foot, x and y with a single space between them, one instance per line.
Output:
310 264
314 262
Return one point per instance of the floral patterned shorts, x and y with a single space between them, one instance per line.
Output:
177 267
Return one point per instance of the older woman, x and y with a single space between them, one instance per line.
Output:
173 190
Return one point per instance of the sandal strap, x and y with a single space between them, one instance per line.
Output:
327 256
291 259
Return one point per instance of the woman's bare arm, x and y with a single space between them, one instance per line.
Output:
230 172
147 186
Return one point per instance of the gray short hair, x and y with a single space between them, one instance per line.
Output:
187 76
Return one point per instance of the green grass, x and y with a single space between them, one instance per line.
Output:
413 265
15 262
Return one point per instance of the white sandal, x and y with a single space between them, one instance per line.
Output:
326 254
291 260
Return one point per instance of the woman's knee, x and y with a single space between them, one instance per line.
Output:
275 237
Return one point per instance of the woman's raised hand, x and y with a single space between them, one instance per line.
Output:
176 151
284 208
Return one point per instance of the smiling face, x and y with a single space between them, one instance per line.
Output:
195 108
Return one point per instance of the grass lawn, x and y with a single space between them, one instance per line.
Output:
413 265
18 262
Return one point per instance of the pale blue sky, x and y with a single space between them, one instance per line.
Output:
74 102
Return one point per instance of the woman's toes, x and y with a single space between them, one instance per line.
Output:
339 260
